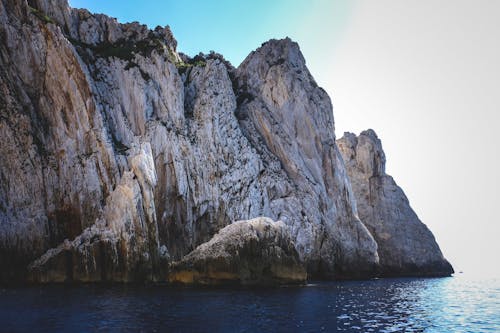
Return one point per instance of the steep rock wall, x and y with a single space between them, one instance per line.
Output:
289 120
405 245
121 155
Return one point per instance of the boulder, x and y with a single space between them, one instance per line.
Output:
252 252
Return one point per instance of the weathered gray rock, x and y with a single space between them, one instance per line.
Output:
257 251
289 119
405 245
64 173
123 244
119 155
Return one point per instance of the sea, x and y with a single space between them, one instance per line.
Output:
455 304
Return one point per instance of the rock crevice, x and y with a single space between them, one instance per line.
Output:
121 155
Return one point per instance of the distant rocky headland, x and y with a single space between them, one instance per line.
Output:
124 160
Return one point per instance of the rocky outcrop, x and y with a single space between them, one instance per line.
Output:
405 245
120 155
258 251
289 119
76 166
123 244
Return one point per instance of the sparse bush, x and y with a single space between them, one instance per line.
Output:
41 15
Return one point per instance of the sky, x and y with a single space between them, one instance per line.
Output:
424 74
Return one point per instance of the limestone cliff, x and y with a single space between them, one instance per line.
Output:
120 155
405 245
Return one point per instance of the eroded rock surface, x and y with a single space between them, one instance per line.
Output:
123 244
405 245
120 155
257 251
289 119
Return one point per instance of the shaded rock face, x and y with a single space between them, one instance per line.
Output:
119 155
258 251
66 171
123 244
81 200
289 119
405 245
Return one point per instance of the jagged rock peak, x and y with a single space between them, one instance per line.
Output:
95 29
369 148
123 155
273 53
278 51
405 245
289 121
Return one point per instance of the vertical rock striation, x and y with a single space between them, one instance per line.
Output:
405 245
121 156
78 177
289 120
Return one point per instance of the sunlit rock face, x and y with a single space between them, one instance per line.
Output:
258 251
120 155
289 119
405 245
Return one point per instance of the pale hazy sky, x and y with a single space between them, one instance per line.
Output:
424 74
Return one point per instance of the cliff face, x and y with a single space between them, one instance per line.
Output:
289 120
405 245
120 156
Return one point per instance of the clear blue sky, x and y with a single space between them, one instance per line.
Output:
424 74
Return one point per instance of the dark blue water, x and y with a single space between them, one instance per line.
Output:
387 305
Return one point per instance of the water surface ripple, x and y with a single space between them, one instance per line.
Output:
455 304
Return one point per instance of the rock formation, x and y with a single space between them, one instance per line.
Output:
405 245
120 155
258 251
289 119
